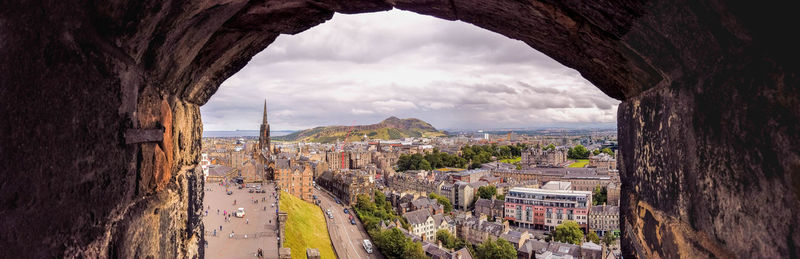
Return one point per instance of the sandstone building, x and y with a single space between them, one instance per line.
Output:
537 157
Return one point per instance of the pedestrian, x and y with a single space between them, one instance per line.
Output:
220 227
215 232
217 211
246 221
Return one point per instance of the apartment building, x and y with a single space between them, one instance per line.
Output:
546 209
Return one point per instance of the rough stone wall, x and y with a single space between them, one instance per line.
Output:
708 124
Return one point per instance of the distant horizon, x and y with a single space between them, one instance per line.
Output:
569 126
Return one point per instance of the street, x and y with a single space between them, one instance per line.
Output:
347 238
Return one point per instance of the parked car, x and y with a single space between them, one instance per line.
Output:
330 215
367 246
338 201
352 221
251 191
230 192
346 211
239 213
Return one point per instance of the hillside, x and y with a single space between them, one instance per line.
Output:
388 129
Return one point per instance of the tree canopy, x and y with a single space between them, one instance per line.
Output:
430 161
609 239
599 195
487 192
593 237
448 207
449 240
393 244
568 232
578 152
496 249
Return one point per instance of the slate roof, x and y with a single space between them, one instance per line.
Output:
533 246
512 236
417 217
558 248
218 170
423 203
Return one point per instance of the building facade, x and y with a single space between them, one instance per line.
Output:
425 225
294 178
546 209
604 219
538 157
347 185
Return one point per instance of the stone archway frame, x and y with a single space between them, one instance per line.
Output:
708 124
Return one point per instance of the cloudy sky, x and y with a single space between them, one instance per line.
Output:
363 68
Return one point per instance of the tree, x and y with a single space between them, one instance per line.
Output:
578 152
414 250
593 237
424 165
596 152
496 249
609 239
448 207
447 239
568 232
392 243
607 151
364 204
549 147
599 195
486 192
501 197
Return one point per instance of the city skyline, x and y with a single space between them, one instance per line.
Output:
453 75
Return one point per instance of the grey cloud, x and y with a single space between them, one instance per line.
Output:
450 74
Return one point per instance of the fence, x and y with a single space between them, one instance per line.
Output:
210 234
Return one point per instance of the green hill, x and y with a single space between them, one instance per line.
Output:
388 129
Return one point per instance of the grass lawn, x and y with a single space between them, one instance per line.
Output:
511 161
580 163
305 227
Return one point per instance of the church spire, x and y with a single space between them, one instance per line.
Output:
264 121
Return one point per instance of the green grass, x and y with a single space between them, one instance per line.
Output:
580 163
305 227
511 160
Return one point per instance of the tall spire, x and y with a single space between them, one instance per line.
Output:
265 112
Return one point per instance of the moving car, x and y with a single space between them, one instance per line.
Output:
239 213
367 246
230 192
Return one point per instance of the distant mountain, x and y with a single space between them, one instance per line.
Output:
388 129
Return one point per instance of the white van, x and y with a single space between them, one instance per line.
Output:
367 246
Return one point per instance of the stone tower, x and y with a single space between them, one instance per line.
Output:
263 136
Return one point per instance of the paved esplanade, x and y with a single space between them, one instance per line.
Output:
260 230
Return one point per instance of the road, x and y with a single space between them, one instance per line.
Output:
347 238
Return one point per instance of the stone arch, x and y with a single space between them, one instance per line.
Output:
101 123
